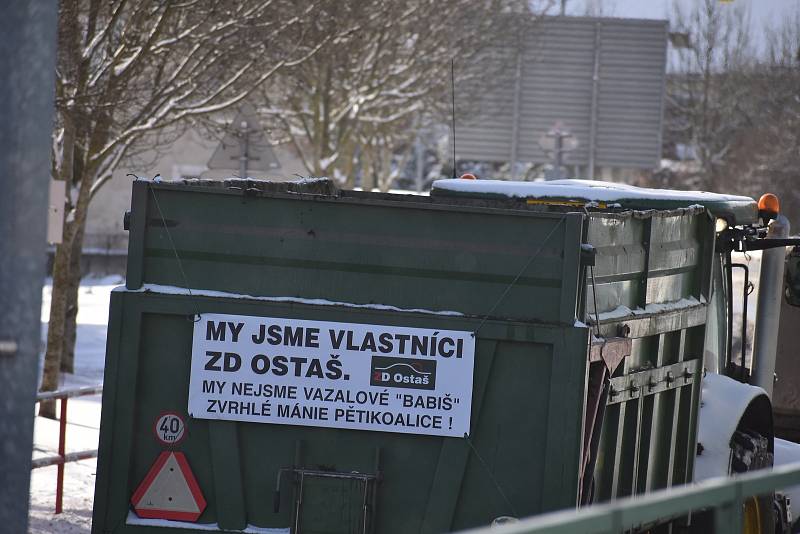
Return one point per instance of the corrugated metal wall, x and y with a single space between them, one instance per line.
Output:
616 119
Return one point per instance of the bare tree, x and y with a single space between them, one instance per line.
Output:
707 86
738 107
353 107
776 112
128 73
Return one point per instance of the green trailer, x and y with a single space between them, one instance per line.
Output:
293 358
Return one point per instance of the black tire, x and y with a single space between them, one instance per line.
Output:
750 452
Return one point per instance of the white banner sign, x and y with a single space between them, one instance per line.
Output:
338 375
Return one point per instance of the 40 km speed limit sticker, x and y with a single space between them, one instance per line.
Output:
170 428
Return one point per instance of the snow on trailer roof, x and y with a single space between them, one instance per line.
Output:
592 190
739 208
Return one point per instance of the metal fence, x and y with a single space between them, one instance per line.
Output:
63 457
725 496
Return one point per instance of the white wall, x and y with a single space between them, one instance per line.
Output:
187 157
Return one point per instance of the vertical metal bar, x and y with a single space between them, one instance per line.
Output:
655 454
676 413
62 450
27 61
647 231
604 467
729 318
693 408
618 456
770 288
675 401
742 369
638 442
595 96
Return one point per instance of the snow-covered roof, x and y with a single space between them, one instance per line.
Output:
596 194
589 190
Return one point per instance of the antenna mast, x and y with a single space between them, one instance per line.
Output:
453 90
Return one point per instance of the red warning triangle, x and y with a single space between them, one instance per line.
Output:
169 491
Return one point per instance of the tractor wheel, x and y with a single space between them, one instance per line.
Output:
750 452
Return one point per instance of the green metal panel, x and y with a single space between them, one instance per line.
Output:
659 265
525 432
413 253
650 258
513 273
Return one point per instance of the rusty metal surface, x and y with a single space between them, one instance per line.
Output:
611 351
652 381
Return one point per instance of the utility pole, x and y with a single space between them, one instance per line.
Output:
244 147
27 61
557 141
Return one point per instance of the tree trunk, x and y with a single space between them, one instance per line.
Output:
56 323
367 168
385 177
70 320
348 165
59 302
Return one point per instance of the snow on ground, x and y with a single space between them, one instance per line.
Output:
83 416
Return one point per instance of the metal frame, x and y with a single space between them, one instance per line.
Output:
63 457
368 480
151 247
726 496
